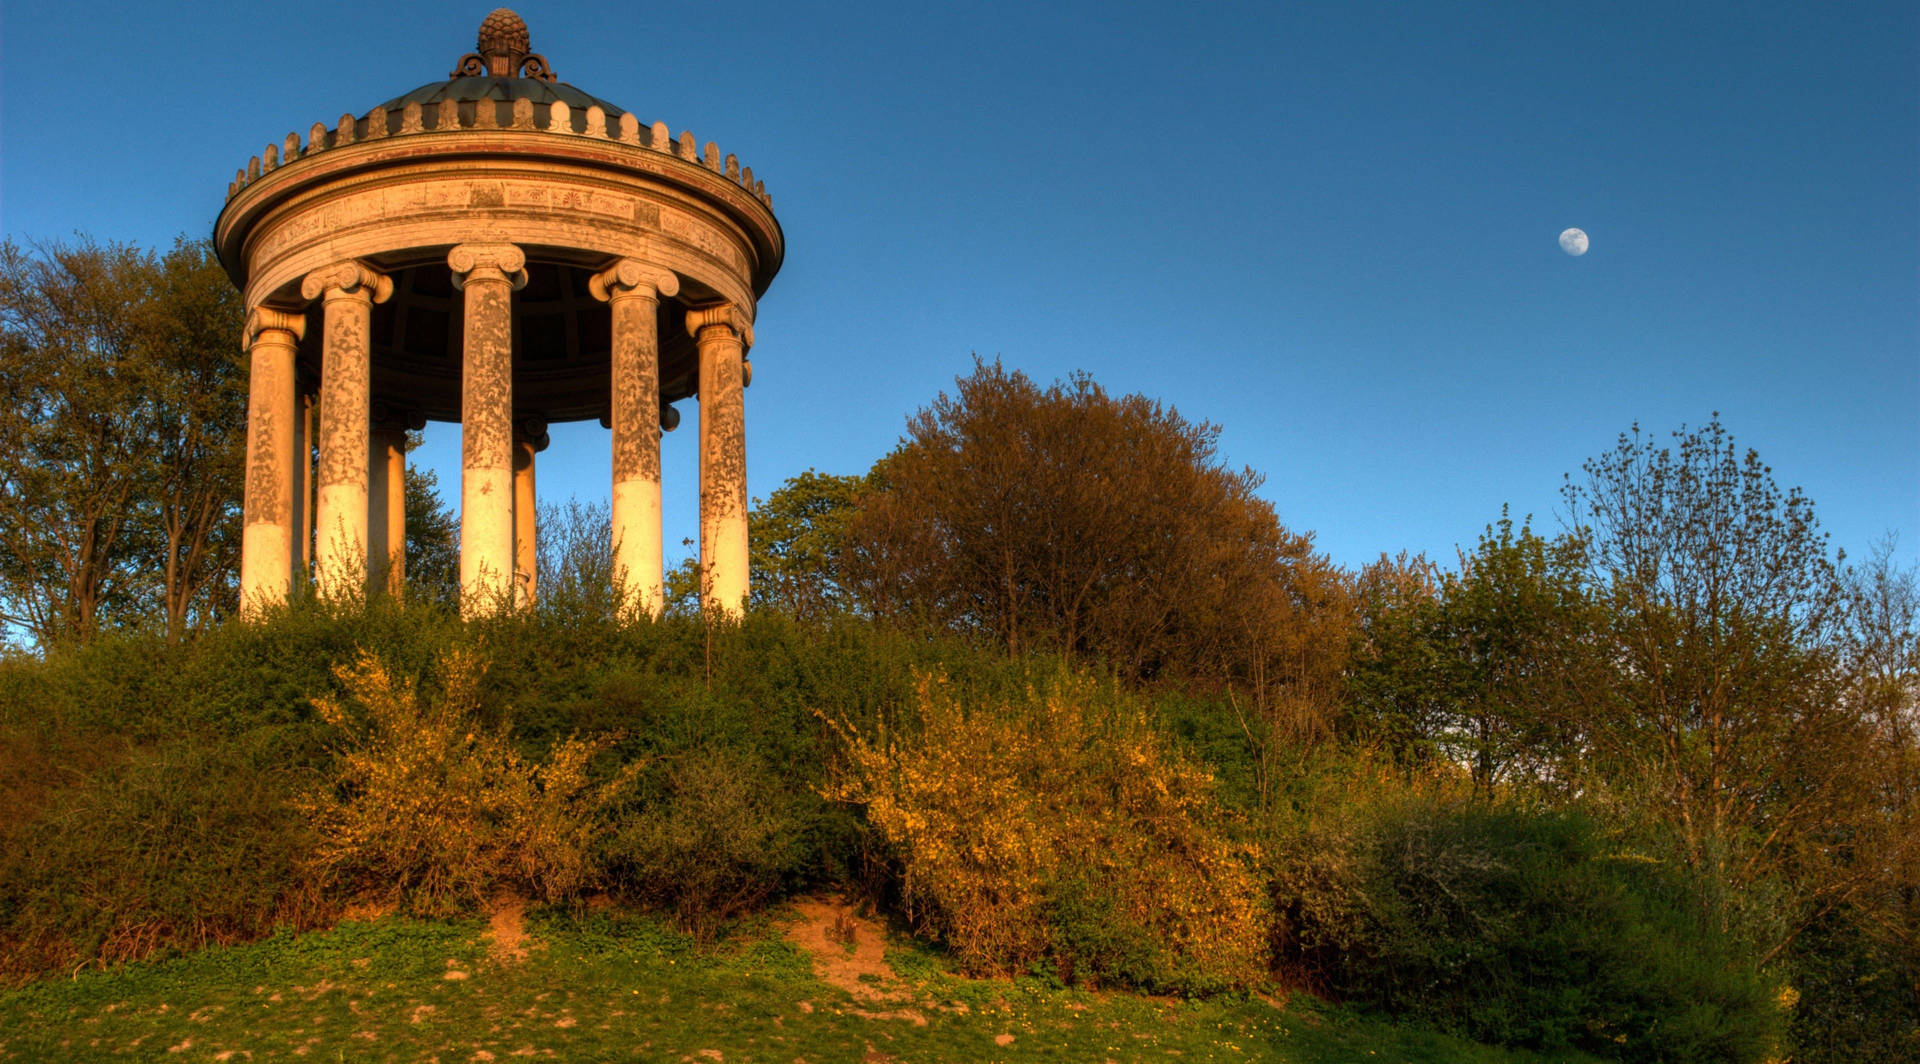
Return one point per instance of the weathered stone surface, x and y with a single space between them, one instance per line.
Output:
487 274
634 289
267 546
724 334
348 291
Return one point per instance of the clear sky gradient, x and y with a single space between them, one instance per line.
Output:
1328 228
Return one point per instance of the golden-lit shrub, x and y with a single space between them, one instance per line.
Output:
1062 829
429 808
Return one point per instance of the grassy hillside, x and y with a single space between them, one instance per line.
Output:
607 987
179 812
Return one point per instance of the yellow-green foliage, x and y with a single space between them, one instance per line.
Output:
1064 829
428 807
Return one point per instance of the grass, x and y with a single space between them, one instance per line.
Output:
603 987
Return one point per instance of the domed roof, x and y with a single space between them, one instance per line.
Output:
503 68
473 89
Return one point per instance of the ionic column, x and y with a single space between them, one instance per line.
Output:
266 544
529 439
488 274
633 290
387 507
724 334
349 291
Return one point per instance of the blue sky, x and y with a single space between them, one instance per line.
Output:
1327 228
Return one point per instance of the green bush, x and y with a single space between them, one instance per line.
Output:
721 836
1522 927
174 845
1856 997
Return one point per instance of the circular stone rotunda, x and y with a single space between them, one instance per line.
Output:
502 250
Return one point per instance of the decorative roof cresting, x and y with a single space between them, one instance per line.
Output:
470 100
504 50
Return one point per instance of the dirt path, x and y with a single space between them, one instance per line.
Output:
849 951
507 929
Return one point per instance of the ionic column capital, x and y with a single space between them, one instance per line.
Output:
261 319
720 315
485 262
533 431
350 279
632 275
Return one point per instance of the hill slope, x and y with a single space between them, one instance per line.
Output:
813 983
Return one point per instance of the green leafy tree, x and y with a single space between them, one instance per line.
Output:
798 535
1514 621
433 539
1724 709
1398 692
199 411
121 436
1478 666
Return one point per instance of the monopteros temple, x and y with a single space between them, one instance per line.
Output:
502 250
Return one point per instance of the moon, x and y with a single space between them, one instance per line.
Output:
1574 242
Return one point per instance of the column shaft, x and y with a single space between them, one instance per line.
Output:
723 335
488 274
349 291
633 290
303 490
266 546
526 558
387 509
397 512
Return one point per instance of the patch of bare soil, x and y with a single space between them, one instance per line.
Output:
507 930
849 951
369 908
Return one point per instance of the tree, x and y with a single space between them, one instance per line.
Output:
433 539
1065 520
121 434
575 558
798 535
1883 672
1478 666
1515 620
1399 693
199 416
1724 705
